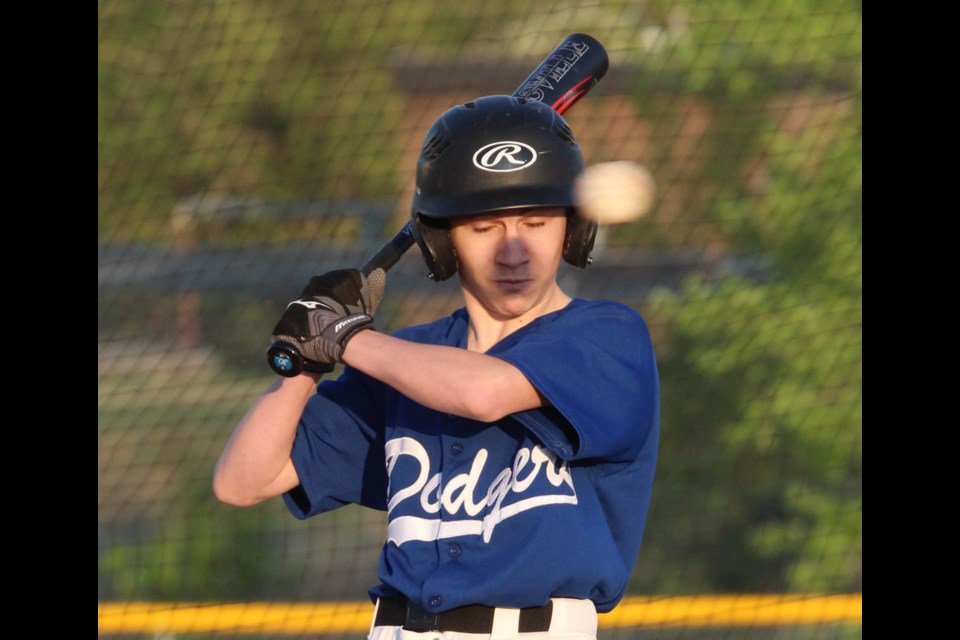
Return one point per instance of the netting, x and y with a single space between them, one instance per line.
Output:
245 145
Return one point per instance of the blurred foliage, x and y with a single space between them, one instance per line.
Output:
216 549
776 369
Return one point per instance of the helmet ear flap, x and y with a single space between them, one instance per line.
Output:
433 238
578 242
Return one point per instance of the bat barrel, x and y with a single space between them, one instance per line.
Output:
567 74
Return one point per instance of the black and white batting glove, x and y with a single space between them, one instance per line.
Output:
319 332
332 309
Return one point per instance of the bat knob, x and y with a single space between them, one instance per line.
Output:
284 359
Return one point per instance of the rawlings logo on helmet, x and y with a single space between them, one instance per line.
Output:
503 156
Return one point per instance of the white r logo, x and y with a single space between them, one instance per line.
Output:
503 156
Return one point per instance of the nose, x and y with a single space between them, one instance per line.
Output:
512 251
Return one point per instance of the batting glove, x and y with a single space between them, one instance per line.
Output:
347 291
332 309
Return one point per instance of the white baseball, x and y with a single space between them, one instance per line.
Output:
615 192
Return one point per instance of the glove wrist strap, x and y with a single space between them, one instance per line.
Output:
345 328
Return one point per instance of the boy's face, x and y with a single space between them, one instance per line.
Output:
508 259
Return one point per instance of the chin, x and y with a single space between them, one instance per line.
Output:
515 309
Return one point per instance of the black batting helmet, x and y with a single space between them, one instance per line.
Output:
496 152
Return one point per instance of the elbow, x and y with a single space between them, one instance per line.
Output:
228 493
503 393
483 406
500 391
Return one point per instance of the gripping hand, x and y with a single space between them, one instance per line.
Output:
314 330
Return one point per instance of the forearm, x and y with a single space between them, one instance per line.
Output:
255 464
445 379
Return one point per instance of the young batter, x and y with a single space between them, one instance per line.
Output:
513 443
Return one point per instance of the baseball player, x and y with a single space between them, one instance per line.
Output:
513 443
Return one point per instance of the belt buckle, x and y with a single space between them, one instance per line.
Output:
417 619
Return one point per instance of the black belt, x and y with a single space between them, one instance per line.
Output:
475 618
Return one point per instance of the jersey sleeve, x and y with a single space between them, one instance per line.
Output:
338 448
594 363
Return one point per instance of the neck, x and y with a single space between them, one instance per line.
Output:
487 327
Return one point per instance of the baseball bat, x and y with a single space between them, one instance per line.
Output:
561 79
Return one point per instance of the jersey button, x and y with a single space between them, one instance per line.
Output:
454 550
435 600
456 448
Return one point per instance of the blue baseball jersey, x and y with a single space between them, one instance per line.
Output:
543 503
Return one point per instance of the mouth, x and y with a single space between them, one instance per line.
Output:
512 284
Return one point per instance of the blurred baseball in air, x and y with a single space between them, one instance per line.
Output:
615 192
